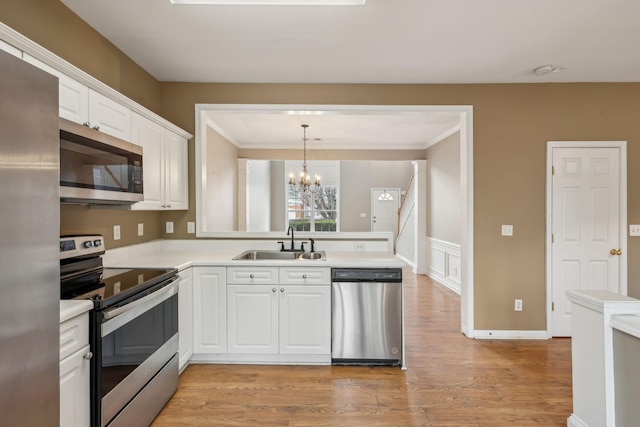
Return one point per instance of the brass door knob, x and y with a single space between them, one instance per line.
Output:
615 252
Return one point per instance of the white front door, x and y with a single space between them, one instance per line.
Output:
588 225
384 209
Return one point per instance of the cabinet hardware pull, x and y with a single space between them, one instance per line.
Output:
273 290
96 127
251 275
88 355
304 276
281 289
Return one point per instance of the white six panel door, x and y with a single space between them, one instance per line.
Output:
585 226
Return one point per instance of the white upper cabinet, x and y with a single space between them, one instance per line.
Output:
176 171
83 105
73 97
108 116
164 165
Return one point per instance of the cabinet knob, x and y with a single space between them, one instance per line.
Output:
168 206
281 289
304 276
88 356
273 289
251 275
96 127
87 124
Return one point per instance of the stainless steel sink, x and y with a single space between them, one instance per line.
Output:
279 255
320 255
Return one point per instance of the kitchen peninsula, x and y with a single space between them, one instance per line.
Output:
283 317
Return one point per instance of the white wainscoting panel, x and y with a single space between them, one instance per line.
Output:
444 265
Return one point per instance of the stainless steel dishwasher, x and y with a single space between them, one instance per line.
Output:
366 307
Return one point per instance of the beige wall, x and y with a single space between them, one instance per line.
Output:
511 126
443 190
357 178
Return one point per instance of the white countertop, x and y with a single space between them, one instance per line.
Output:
72 308
181 259
185 259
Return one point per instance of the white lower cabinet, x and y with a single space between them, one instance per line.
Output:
281 318
210 310
252 318
75 364
185 318
305 320
74 389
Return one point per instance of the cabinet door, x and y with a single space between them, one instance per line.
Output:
210 314
73 95
150 136
74 390
305 319
110 116
185 317
253 318
175 169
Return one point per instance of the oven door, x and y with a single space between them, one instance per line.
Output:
137 340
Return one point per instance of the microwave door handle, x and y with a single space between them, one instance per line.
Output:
119 316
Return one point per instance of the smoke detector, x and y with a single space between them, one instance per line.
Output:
546 69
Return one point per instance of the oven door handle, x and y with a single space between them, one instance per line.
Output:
117 317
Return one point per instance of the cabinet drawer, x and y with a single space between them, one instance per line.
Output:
305 275
252 275
74 334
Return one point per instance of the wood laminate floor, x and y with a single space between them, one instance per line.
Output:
451 381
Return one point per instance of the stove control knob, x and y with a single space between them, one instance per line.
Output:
97 243
87 244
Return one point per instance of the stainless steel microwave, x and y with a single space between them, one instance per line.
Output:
96 168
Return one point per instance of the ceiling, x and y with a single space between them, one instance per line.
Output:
384 41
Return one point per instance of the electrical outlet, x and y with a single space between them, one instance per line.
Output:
518 305
191 227
363 215
116 232
507 230
140 229
634 230
169 227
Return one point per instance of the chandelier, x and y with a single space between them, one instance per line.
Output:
304 185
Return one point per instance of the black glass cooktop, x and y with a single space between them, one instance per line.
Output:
112 285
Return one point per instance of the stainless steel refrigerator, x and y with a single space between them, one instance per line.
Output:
29 245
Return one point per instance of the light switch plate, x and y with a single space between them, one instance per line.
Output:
116 232
169 227
634 230
507 230
191 227
140 229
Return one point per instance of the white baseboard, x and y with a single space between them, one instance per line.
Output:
510 335
574 421
454 286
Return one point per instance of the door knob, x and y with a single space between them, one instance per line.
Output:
615 252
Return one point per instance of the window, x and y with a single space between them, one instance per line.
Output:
314 212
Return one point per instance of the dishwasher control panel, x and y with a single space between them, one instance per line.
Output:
366 275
